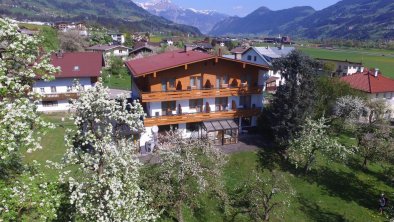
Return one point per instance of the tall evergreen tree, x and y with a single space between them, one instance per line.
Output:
294 101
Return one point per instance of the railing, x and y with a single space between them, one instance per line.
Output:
59 96
199 93
200 117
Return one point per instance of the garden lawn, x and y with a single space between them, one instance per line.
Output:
372 58
118 82
333 192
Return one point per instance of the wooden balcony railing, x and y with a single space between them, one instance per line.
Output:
59 96
200 117
199 93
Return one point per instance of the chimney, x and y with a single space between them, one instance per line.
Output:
376 72
59 54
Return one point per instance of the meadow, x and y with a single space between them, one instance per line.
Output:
371 58
332 192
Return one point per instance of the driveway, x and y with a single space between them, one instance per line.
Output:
113 93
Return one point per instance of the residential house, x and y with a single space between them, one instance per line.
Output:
80 27
238 51
111 50
117 38
200 94
343 67
265 56
82 66
143 47
374 84
201 47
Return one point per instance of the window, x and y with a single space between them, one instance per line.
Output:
53 89
193 127
165 128
120 51
246 121
388 95
167 84
42 90
167 107
76 68
69 88
249 58
49 103
255 58
221 103
195 82
196 104
377 95
220 80
245 101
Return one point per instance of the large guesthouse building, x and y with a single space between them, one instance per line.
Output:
197 93
84 67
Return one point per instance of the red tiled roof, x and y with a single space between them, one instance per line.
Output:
165 61
106 47
239 49
89 64
367 82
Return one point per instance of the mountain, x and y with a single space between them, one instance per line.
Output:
202 19
347 19
353 19
111 13
262 21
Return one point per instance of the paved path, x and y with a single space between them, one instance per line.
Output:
113 93
246 143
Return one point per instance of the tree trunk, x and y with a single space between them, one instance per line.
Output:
365 162
266 217
180 213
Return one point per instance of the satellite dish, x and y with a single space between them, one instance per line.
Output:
155 129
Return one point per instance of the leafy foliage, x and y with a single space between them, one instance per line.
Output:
294 101
50 39
71 41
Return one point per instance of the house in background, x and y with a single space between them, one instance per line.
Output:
111 50
265 56
201 47
80 27
200 94
117 38
374 84
343 67
82 66
238 52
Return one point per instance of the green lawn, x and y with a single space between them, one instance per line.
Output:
116 82
372 58
333 192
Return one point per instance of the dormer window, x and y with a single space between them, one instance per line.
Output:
76 68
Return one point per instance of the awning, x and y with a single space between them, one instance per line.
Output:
219 125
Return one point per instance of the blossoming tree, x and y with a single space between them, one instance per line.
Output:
313 140
24 191
105 186
187 167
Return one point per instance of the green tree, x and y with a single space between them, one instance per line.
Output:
99 38
71 41
50 40
116 67
128 40
294 101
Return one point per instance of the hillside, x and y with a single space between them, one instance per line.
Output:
204 20
349 19
262 21
353 19
111 13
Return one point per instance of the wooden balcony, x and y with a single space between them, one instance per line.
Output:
59 96
199 93
200 117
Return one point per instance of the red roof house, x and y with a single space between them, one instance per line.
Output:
78 64
370 81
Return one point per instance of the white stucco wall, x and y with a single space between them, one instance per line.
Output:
60 84
253 54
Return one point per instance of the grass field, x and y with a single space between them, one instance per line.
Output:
116 82
334 192
372 58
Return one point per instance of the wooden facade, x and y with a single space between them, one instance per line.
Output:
200 117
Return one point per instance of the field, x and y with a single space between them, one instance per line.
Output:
116 82
372 58
334 192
